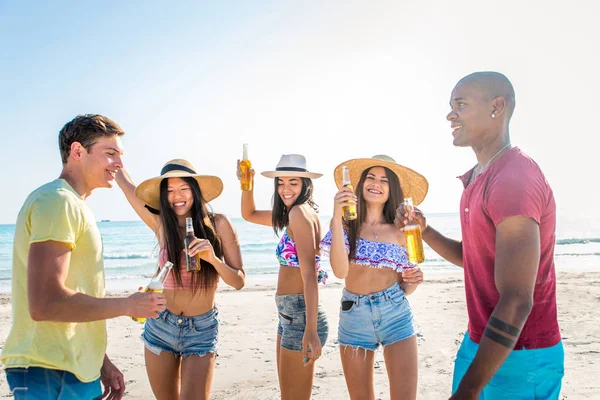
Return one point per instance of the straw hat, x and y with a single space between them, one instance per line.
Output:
291 165
149 190
412 183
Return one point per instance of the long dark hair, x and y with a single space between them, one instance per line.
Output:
280 216
204 228
396 197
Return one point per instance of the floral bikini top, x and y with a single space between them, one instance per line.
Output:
373 254
287 255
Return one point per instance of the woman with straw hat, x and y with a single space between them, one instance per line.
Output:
303 328
369 254
181 343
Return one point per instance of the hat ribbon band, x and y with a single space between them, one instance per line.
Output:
290 169
176 167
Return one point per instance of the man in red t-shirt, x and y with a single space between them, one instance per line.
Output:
512 348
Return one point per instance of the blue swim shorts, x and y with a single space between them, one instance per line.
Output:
35 383
526 374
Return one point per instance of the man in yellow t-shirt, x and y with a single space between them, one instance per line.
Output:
57 343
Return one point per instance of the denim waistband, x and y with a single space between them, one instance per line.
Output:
385 294
297 298
181 321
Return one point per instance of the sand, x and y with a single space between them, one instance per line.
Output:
246 367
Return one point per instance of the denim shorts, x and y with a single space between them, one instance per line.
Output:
526 374
182 336
292 321
366 321
35 383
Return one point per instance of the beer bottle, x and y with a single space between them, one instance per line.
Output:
412 231
157 284
192 263
349 210
245 165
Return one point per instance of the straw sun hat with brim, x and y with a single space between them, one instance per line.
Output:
149 190
291 165
412 183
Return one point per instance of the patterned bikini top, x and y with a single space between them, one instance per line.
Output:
372 254
287 255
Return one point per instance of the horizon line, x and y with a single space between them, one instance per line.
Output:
238 218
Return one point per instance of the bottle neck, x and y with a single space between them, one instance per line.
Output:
245 153
345 177
163 274
189 227
409 207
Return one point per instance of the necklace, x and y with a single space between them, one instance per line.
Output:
490 160
376 234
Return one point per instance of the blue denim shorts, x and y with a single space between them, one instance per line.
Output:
182 336
526 374
35 383
292 321
366 321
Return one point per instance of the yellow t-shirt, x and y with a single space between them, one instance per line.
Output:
56 212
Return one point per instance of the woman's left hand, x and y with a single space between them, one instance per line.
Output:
311 347
413 276
203 249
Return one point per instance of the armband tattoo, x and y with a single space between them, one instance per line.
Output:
504 327
498 338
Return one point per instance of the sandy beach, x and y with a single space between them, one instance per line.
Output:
246 367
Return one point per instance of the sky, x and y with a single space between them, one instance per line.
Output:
331 80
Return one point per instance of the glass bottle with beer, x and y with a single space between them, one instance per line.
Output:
157 284
245 166
192 263
349 210
412 231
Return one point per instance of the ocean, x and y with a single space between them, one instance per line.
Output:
130 249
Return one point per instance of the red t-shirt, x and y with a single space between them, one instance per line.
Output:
514 185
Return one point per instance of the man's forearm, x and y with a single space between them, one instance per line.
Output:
71 306
449 249
500 336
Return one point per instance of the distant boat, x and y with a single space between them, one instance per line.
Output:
105 220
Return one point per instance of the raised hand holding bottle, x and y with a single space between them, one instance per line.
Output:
192 263
414 240
349 210
245 167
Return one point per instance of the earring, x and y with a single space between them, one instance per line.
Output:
493 115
